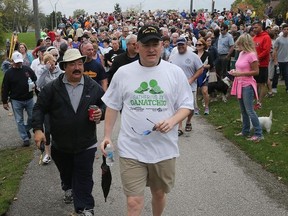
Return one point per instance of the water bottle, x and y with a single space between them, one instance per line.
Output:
31 84
110 155
277 69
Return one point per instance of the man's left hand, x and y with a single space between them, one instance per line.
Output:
97 115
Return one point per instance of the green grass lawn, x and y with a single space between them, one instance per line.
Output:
28 38
14 162
1 78
272 152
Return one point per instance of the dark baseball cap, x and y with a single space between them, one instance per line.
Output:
148 32
181 40
42 48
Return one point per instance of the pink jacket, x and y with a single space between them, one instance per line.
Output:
243 81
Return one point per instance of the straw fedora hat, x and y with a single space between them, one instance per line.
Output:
71 55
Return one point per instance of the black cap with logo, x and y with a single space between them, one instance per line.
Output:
149 32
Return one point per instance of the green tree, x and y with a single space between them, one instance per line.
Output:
15 15
78 12
2 42
281 8
256 5
117 8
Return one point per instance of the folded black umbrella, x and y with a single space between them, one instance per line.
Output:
106 178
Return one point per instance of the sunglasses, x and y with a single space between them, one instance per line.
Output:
146 132
199 44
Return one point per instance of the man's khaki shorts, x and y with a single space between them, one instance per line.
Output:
136 176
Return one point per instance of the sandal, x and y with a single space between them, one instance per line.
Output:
243 135
188 127
180 133
256 138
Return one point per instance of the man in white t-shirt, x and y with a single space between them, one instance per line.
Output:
281 57
192 66
154 97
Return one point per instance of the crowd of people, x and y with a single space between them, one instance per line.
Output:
151 67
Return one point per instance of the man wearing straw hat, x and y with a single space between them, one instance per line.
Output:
67 100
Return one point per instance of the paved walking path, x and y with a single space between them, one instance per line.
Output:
214 178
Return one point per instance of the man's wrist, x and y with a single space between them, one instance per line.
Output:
37 130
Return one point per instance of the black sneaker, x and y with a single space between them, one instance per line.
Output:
29 134
68 197
26 143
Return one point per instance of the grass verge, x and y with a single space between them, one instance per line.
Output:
1 79
27 37
272 152
14 162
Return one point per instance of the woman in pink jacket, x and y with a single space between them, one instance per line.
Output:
245 87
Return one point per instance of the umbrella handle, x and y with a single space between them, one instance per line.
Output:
42 147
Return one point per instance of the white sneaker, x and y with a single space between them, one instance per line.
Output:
46 159
274 90
85 212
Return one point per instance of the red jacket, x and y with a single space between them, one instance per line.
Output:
263 47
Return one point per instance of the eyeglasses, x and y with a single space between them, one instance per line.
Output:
146 132
222 29
199 44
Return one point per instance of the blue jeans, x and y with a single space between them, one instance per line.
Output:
247 111
18 110
283 67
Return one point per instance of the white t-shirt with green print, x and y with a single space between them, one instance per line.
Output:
146 95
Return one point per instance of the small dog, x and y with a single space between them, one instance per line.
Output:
221 86
265 122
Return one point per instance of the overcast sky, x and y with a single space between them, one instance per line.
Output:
68 6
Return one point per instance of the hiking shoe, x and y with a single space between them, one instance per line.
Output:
46 159
68 197
196 111
86 212
255 138
206 112
257 106
26 143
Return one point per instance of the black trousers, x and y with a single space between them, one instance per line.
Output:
76 173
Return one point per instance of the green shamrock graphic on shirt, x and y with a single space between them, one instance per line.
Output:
154 87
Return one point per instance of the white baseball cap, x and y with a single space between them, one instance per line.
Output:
17 57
